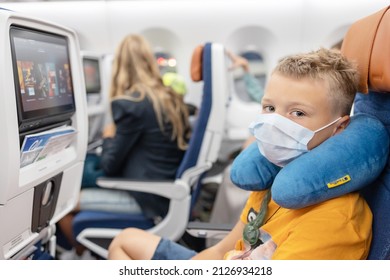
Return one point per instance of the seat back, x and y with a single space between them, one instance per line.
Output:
208 64
367 42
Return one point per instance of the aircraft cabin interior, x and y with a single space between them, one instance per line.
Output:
57 63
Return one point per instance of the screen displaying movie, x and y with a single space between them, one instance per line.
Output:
92 75
42 73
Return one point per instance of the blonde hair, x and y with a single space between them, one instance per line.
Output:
341 75
135 75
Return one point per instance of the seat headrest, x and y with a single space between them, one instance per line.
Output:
367 43
196 64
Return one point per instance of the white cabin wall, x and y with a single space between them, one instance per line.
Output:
189 23
102 24
326 22
88 19
276 28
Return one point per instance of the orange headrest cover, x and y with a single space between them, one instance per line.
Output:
367 42
196 64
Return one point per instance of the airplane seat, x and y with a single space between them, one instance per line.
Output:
95 230
43 149
97 96
366 43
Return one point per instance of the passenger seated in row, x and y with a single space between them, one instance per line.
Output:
177 83
252 85
310 95
146 141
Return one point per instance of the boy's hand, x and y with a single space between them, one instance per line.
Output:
236 255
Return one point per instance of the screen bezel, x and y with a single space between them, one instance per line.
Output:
33 119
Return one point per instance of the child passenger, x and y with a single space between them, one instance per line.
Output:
308 94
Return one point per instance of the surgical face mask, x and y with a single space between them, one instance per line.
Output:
280 139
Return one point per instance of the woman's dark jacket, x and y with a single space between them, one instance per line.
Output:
141 151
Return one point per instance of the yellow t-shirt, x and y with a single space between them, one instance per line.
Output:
339 228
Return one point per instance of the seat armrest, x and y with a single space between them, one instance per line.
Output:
208 230
170 189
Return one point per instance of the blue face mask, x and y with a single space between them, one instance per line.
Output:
280 139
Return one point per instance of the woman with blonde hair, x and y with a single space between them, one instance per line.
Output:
146 141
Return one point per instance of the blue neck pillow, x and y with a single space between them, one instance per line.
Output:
344 163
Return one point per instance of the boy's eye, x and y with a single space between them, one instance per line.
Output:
298 114
268 109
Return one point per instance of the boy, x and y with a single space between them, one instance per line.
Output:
312 94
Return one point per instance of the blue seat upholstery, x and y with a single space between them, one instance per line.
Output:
366 43
378 193
193 151
95 230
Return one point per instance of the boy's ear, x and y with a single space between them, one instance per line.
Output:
342 124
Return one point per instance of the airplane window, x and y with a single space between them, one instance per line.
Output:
166 62
257 69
